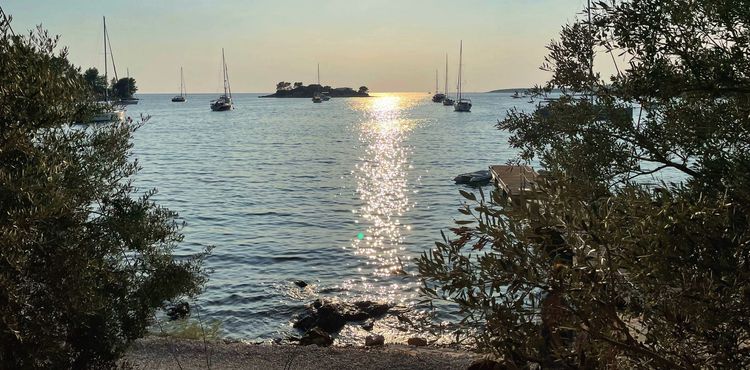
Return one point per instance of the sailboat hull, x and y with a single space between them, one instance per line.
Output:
221 107
462 106
178 99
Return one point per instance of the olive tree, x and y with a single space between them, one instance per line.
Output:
598 267
85 261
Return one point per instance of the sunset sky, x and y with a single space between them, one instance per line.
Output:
387 45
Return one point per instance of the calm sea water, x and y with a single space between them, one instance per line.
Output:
284 189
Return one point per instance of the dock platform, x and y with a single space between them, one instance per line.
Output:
514 179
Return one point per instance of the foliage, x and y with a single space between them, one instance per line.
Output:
598 268
281 86
97 83
363 90
298 84
124 88
84 263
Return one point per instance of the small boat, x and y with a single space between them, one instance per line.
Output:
224 102
476 178
317 99
325 96
462 104
180 98
447 101
438 97
516 95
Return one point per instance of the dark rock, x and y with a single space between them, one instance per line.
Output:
374 340
373 309
367 325
485 364
331 317
316 336
178 311
419 342
300 283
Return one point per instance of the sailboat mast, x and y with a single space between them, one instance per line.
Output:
460 67
226 75
106 78
318 73
436 81
182 83
446 75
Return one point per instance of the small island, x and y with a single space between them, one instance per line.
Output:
298 90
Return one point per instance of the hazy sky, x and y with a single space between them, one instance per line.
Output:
387 45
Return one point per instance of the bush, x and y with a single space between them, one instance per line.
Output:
598 269
84 264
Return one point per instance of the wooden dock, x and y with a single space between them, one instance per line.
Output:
514 179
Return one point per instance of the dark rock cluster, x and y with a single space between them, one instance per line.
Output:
329 317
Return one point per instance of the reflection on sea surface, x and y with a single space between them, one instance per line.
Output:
382 186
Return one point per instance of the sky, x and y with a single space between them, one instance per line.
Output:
386 45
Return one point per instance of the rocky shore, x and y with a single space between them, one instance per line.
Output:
169 353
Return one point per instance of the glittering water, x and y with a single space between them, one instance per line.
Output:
343 195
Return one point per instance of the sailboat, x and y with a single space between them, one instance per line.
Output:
438 97
224 102
131 99
180 98
108 113
462 104
321 96
447 101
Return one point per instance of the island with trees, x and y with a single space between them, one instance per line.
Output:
298 90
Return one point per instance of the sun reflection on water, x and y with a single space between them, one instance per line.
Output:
382 186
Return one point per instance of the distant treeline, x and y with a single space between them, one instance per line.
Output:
298 90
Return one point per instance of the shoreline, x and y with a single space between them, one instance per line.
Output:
172 353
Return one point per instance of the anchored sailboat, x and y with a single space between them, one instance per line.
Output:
109 113
224 102
180 98
447 101
438 97
462 104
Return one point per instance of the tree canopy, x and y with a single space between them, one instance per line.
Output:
124 88
84 261
597 267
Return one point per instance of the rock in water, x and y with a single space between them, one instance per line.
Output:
300 283
178 311
419 342
331 317
374 340
316 336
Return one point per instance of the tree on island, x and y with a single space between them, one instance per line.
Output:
283 86
85 262
297 84
363 90
124 88
598 268
97 83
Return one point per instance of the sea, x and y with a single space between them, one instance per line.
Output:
343 195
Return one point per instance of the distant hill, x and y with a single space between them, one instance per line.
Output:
519 89
310 90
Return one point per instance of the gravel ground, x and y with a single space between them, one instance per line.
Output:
161 353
